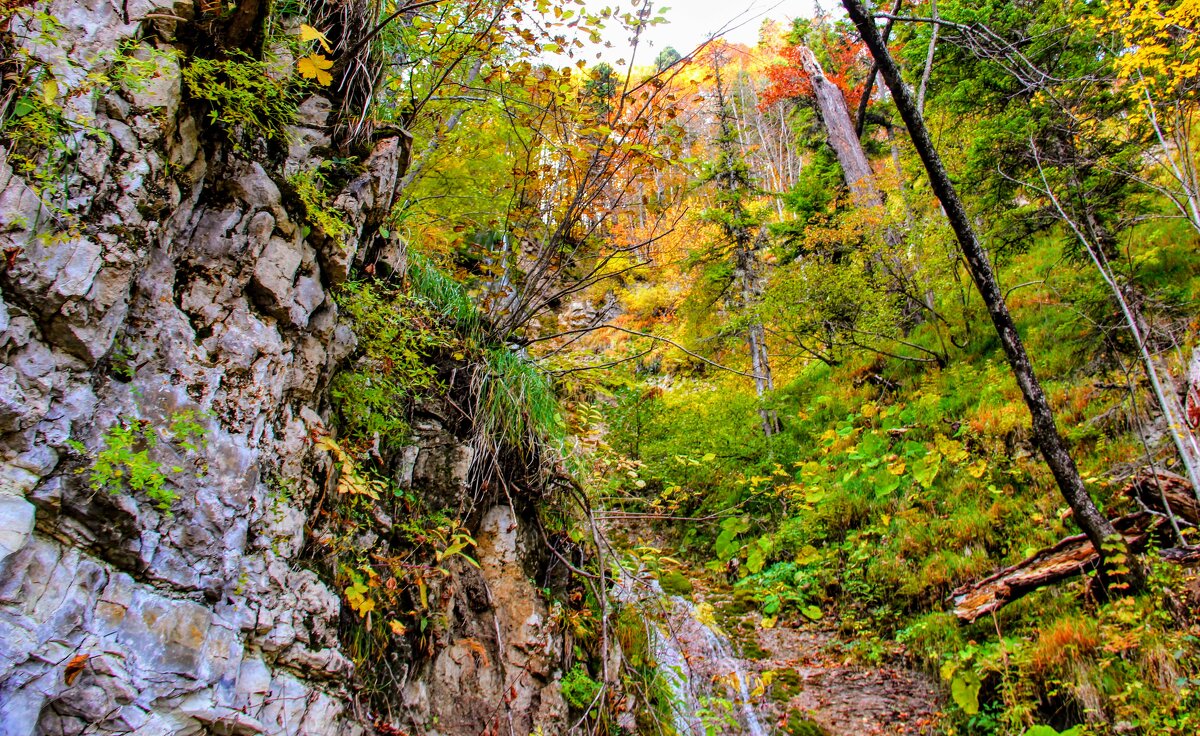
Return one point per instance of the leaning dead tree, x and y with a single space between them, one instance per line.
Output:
835 115
1099 530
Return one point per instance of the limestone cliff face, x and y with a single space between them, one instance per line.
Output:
177 284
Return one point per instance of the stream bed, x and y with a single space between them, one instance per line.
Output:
728 676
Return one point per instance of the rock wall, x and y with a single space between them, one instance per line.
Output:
177 295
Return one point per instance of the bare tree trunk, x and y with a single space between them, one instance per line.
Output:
836 117
1099 529
756 339
933 39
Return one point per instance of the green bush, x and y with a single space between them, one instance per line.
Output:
310 187
242 95
578 688
397 337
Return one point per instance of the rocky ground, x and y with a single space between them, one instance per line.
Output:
842 699
796 674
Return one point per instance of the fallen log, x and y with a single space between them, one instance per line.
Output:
1181 555
1152 487
1071 557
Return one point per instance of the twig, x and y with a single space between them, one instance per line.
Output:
701 358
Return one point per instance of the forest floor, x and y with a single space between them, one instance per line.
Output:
796 673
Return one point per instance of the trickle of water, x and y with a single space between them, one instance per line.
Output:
691 655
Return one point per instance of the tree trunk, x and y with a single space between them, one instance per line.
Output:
860 120
842 136
1098 529
756 338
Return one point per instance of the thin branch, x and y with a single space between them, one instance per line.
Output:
601 366
385 23
658 338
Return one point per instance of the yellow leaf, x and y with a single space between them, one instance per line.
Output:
308 33
313 66
398 628
49 91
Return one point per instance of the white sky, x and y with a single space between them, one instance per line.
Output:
693 21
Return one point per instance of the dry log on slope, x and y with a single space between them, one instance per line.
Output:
1070 557
1075 555
1151 486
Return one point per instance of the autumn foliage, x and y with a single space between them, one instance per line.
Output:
787 79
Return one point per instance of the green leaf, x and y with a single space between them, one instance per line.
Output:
885 484
1049 731
965 691
771 605
756 559
813 613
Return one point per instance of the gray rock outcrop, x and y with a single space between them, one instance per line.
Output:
174 295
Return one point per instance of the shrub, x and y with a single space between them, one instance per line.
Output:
578 688
242 95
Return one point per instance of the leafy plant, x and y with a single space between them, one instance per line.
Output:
124 460
310 187
397 340
352 481
578 688
243 95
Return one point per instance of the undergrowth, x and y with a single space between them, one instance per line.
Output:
893 483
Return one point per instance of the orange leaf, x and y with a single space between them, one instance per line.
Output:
74 667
